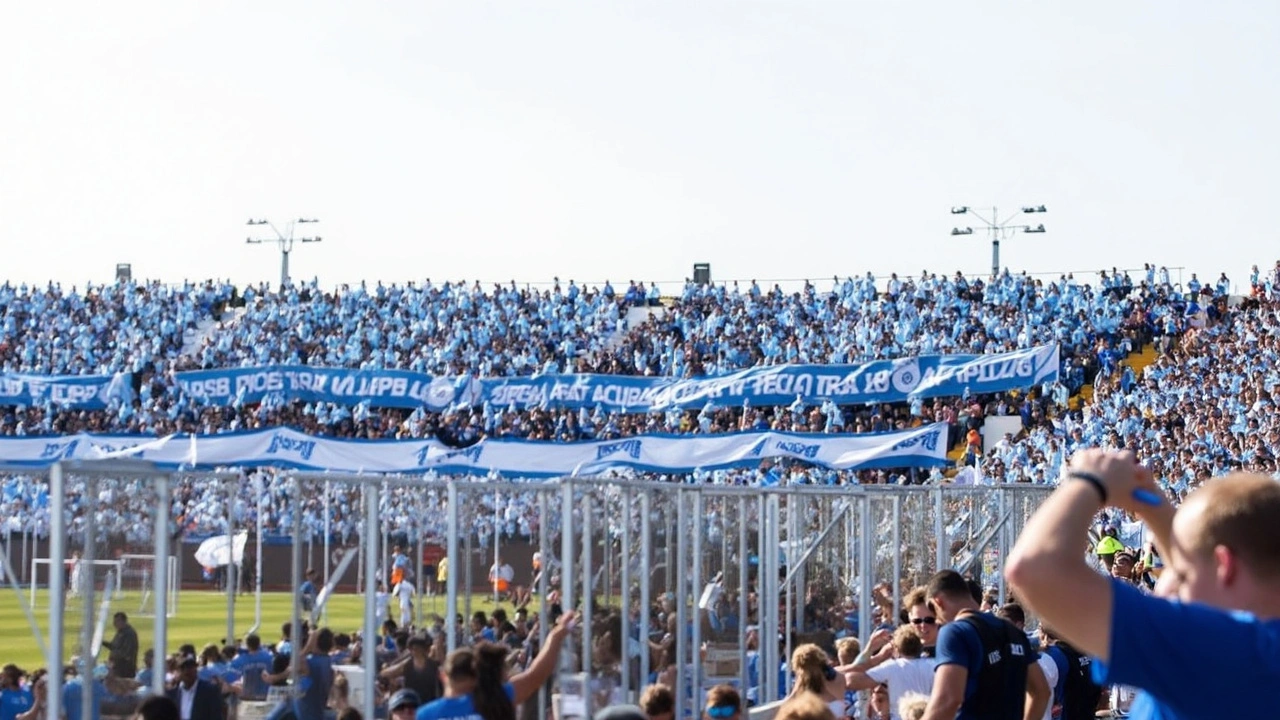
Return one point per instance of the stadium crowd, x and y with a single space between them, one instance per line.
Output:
1202 408
460 328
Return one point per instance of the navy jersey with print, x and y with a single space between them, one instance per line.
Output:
959 643
1155 640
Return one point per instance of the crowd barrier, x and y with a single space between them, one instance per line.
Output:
624 550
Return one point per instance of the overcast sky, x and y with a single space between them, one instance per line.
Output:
596 139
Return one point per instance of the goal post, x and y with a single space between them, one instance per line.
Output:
137 580
78 573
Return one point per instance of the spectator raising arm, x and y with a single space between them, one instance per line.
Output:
526 684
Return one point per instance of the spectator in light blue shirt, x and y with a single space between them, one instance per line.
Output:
72 702
1218 597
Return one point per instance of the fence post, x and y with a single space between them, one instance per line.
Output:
160 578
295 640
897 553
57 586
942 545
230 574
681 596
87 687
370 610
544 571
646 549
451 579
588 591
696 522
625 603
866 542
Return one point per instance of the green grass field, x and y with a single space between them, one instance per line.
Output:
201 618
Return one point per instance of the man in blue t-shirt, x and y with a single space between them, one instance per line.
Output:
251 663
315 677
1218 597
985 668
72 698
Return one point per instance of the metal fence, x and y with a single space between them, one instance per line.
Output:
732 571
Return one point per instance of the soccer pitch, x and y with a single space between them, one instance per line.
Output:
201 619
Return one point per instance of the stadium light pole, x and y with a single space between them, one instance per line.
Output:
999 229
284 240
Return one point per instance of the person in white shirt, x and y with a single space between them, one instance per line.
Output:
1050 670
76 586
501 575
905 672
405 591
381 603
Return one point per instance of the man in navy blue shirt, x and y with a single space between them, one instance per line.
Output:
1217 602
986 669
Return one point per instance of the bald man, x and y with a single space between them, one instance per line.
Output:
1207 644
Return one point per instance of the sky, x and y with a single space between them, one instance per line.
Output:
592 140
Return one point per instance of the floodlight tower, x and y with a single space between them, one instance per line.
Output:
998 228
285 241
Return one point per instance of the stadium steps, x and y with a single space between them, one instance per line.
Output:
1138 361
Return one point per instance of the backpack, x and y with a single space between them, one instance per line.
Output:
1001 644
1075 691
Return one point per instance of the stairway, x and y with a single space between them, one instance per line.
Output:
1138 361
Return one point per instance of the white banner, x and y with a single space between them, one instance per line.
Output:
921 447
214 552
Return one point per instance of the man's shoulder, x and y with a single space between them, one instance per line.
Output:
960 627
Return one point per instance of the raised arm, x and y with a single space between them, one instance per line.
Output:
527 683
1047 559
395 669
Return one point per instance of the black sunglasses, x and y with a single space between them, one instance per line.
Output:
924 621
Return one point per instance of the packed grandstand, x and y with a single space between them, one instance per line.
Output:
1181 373
1202 401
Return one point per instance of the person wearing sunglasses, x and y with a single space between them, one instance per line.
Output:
723 703
924 620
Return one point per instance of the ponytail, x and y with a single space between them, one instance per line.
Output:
490 698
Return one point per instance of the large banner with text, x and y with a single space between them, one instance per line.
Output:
873 382
377 388
925 446
82 392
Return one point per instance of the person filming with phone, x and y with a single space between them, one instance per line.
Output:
1216 605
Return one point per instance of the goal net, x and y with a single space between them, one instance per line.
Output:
137 581
104 575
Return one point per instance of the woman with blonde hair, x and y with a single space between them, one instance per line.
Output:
805 706
816 674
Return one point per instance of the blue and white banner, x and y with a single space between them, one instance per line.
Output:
378 388
874 382
81 392
283 447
